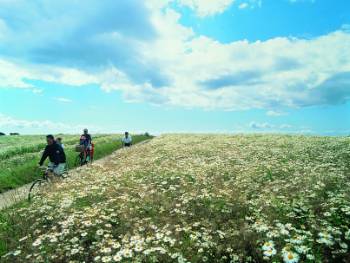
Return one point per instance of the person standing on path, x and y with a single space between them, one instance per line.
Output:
127 140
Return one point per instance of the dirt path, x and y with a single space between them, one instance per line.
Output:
14 196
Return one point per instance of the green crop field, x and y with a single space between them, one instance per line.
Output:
19 155
194 198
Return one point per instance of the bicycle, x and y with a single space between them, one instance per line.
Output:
45 181
80 160
84 156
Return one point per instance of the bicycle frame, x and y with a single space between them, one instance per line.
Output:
47 175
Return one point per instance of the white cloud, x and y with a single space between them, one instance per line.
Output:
14 75
207 7
268 126
71 76
243 75
273 113
257 125
250 3
10 124
260 77
243 5
204 8
299 1
285 126
202 72
64 100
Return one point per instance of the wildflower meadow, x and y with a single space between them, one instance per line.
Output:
193 198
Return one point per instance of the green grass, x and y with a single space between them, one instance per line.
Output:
9 225
19 155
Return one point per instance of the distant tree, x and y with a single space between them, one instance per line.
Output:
147 134
14 133
2 134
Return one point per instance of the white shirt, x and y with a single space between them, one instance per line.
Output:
127 140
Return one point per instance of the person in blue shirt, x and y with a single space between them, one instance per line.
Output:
86 140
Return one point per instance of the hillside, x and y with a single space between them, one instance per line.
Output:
194 198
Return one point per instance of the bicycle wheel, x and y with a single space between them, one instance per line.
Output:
36 188
88 157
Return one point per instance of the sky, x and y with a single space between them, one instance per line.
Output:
163 66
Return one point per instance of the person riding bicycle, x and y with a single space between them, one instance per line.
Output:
85 140
127 140
56 155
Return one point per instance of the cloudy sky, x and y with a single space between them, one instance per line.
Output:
175 66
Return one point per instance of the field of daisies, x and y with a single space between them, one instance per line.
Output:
194 198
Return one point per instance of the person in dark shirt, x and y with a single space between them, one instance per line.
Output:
57 157
86 141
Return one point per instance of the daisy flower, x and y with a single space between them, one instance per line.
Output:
37 243
117 257
268 245
106 259
270 252
290 257
99 232
127 253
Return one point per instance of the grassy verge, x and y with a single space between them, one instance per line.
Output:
21 167
9 224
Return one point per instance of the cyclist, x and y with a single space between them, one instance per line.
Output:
85 140
56 156
127 140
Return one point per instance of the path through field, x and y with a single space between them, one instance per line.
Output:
12 197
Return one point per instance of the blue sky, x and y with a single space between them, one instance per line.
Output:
175 66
